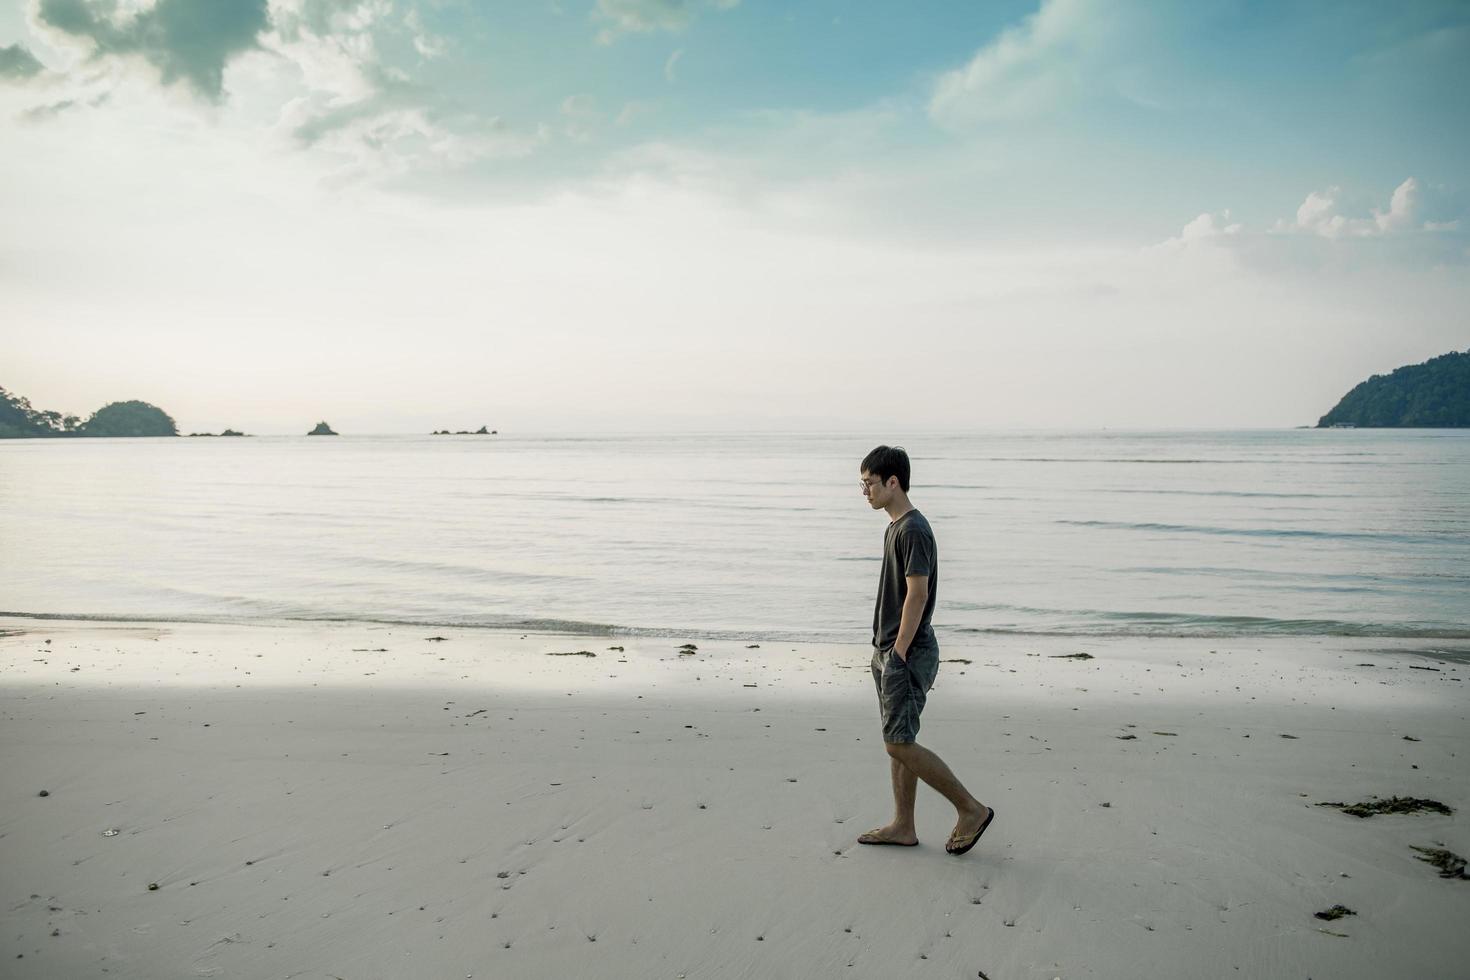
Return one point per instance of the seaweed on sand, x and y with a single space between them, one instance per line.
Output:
1336 912
1395 804
1450 864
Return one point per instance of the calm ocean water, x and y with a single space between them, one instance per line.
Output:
1304 532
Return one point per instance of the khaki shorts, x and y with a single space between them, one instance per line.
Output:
903 687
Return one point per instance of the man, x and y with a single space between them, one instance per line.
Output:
906 657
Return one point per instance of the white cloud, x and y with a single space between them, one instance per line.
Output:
365 113
426 43
631 111
670 65
1027 69
1076 52
1206 227
1322 214
580 116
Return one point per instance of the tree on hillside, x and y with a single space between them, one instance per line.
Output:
21 420
130 418
1435 394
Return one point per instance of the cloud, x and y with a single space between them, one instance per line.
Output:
1024 71
645 16
580 116
188 41
1207 227
17 63
1074 51
1418 229
368 112
1322 214
631 111
427 44
671 64
333 77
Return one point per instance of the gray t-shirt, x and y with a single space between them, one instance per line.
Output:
908 549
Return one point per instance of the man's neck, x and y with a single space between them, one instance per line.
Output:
898 508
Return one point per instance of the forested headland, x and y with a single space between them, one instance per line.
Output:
1435 394
19 419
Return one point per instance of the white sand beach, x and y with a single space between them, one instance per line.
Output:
361 801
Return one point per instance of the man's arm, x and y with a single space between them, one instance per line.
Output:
913 613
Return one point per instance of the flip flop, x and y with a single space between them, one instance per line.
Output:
884 843
956 848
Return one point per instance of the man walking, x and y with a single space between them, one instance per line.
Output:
906 657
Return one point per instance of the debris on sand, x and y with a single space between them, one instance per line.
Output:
1450 864
436 639
571 653
957 660
1396 804
688 650
1072 656
1334 913
618 649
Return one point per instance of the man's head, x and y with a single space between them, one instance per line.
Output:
885 473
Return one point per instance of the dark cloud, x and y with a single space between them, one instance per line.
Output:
186 40
17 61
42 112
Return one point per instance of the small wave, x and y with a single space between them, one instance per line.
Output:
1263 532
507 624
1164 624
1225 493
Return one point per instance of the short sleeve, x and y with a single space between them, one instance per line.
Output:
916 548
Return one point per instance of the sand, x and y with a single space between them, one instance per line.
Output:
361 801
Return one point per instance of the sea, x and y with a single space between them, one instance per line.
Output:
1298 532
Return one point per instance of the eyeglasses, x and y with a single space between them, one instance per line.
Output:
870 484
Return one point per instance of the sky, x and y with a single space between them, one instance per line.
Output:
404 215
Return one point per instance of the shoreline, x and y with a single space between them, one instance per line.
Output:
318 799
1452 642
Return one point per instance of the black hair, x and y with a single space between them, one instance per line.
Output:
886 461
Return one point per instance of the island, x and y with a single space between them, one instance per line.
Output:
131 419
322 429
1435 394
211 435
481 431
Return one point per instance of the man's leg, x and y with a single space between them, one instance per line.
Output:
901 829
905 789
917 761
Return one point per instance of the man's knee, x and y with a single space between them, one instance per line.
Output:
899 750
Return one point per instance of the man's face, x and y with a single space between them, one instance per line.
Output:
877 492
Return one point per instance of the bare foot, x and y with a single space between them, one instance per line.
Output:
971 824
889 835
